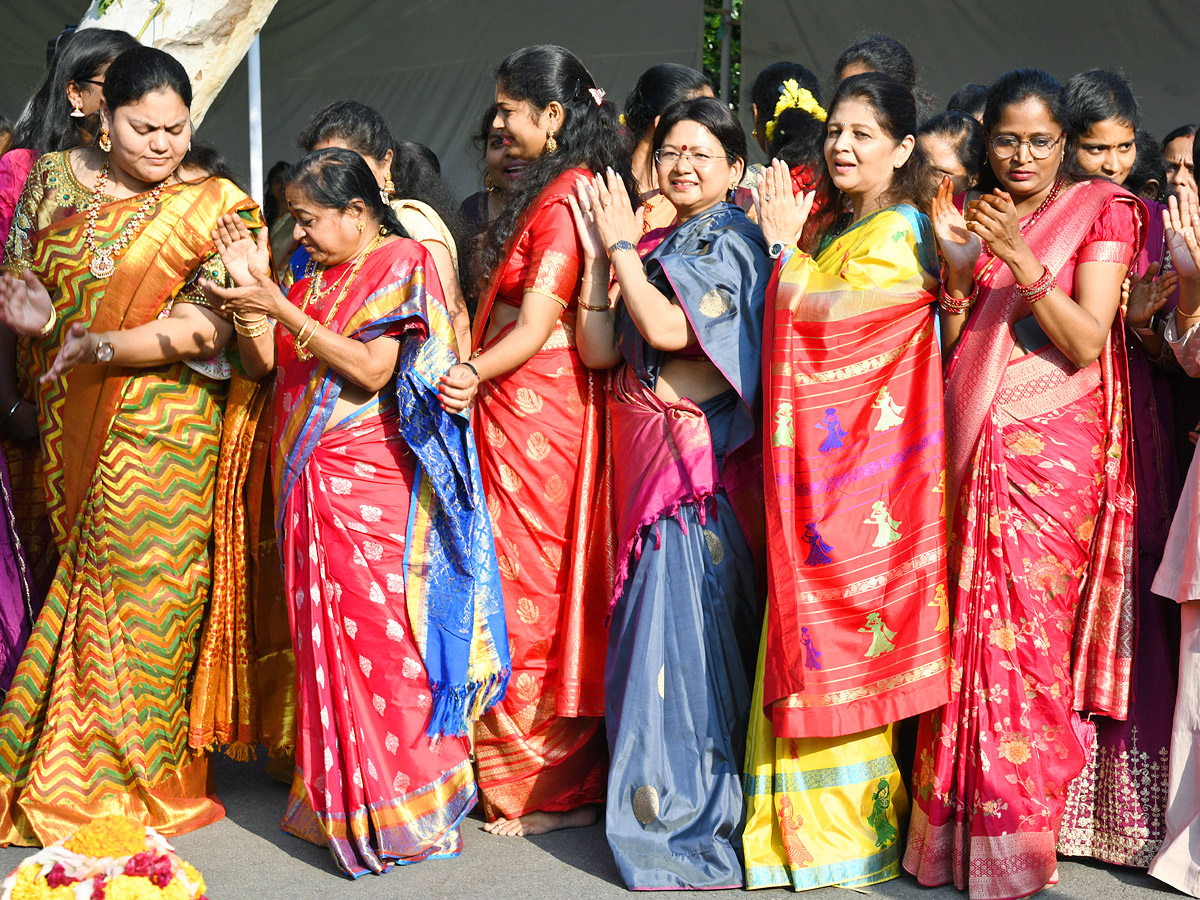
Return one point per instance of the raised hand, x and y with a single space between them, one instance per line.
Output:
260 297
781 213
959 246
1142 297
585 223
241 252
1181 222
993 218
612 211
79 346
25 305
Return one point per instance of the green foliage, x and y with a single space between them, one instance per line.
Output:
712 48
103 5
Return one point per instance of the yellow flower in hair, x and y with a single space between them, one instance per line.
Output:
621 118
792 96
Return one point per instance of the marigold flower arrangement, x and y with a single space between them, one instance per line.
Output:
111 858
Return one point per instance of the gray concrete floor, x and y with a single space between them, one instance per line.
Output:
247 857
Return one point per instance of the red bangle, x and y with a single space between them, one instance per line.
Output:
1032 293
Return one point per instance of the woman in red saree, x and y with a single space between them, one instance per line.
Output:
388 565
541 752
1040 492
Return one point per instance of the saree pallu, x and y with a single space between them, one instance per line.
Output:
539 430
17 598
856 630
97 720
1041 596
680 642
856 637
393 594
1116 807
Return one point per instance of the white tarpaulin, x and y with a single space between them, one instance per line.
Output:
957 41
427 65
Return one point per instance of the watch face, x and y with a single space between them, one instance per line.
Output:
775 250
104 352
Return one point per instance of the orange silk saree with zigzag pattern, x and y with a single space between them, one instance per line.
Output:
141 472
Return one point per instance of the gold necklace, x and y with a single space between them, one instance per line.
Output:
103 262
302 352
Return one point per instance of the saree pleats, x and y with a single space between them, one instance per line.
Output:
96 722
543 746
370 783
677 683
995 763
820 811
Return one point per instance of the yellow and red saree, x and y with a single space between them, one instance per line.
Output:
139 473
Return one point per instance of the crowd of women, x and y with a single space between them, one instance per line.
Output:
805 522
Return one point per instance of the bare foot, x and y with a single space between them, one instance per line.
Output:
542 822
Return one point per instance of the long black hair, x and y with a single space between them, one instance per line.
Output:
590 136
896 112
334 178
364 129
46 124
659 87
1016 86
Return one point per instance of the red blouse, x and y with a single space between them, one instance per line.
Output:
547 256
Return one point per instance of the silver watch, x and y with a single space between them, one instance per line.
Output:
104 349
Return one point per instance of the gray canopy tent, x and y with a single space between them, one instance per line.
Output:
427 65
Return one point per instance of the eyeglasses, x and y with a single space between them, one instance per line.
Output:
97 82
1040 147
698 160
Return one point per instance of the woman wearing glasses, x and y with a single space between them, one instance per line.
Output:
1041 485
687 478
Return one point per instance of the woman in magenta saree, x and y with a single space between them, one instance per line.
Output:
1040 493
397 622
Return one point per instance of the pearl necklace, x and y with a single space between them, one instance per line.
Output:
103 262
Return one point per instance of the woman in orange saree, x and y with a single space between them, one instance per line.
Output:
541 752
389 566
145 438
1040 493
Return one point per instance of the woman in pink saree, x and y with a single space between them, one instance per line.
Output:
1040 496
389 567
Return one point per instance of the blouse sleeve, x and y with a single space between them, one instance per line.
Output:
18 247
554 254
1114 236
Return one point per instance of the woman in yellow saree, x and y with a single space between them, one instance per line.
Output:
145 439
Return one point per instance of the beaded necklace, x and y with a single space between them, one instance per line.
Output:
302 352
103 261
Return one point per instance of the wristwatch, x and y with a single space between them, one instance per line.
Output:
104 349
620 245
776 250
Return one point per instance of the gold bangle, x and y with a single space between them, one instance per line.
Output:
594 308
301 344
49 326
251 332
250 321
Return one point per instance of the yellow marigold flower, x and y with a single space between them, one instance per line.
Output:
196 879
792 96
108 836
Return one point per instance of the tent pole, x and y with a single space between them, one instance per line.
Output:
254 74
726 41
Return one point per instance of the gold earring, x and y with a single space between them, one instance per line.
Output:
389 186
551 143
105 140
360 226
489 184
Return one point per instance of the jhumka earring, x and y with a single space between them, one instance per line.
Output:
489 184
77 112
389 186
105 141
551 143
